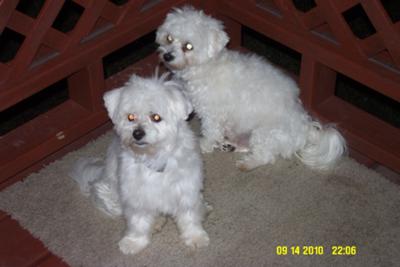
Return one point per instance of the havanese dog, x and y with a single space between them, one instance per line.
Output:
244 103
153 164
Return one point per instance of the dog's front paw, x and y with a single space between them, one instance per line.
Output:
133 244
244 165
249 162
197 239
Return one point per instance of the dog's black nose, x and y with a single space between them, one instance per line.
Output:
138 133
168 57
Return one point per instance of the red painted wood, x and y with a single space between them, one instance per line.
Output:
84 3
362 158
367 61
341 30
81 62
234 31
26 53
20 23
86 22
17 246
308 79
367 73
372 45
365 133
312 18
344 5
37 78
3 215
56 155
62 125
51 261
82 88
321 35
6 11
55 39
383 24
131 9
49 131
112 12
373 61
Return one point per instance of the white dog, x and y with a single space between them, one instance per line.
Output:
242 100
153 164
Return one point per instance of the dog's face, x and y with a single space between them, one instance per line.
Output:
189 37
146 113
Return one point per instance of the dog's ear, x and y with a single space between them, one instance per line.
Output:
181 105
111 100
218 40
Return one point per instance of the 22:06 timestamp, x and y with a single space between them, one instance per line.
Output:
343 250
316 250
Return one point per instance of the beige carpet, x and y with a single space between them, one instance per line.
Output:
284 204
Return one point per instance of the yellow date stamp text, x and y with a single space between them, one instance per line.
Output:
282 250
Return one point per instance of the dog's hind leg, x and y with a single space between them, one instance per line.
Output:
104 191
85 172
251 161
265 145
106 198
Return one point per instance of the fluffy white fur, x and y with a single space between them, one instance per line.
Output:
242 100
151 167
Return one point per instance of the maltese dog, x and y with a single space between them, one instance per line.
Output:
244 103
153 165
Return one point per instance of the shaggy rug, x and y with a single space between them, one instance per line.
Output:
280 209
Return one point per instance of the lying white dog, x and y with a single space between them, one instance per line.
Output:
153 164
242 100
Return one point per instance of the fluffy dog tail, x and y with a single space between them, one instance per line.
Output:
85 172
325 145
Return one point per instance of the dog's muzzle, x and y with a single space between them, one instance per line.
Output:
138 134
168 57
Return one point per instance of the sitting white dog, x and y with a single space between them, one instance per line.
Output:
244 102
153 165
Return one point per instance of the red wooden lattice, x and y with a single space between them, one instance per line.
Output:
328 46
47 54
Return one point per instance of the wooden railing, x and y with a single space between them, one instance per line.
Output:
322 33
68 40
64 40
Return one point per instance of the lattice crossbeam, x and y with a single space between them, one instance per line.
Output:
46 53
65 40
339 27
325 35
34 39
385 28
6 10
86 22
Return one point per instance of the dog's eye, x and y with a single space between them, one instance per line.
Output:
169 39
155 117
188 47
132 117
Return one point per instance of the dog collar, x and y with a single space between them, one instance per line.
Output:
162 168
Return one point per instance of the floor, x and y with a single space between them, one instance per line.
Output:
19 249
